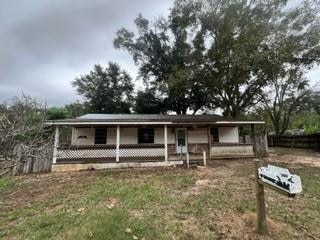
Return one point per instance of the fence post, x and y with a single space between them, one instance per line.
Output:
204 158
261 204
187 156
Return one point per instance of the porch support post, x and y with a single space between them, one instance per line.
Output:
253 139
209 142
56 145
165 143
118 144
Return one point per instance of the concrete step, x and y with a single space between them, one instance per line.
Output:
193 163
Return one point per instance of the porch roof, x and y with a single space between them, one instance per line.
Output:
150 119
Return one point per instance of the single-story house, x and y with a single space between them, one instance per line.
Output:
142 140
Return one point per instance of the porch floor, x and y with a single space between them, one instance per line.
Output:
107 160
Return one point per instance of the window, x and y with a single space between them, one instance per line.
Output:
145 135
100 136
215 135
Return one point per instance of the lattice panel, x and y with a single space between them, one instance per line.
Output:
87 153
142 152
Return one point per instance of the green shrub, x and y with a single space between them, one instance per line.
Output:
311 129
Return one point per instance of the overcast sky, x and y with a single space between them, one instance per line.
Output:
45 44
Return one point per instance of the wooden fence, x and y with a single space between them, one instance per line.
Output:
19 163
299 141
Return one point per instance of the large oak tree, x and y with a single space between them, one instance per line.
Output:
167 59
222 54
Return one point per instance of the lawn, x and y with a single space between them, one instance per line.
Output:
217 202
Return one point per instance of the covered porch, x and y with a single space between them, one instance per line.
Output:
97 145
103 145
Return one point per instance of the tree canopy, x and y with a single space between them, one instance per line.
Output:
106 89
222 54
147 102
167 60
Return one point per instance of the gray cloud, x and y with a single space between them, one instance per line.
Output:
46 44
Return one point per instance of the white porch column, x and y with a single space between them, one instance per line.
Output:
118 144
56 145
165 143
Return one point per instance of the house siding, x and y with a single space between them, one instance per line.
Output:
228 135
82 136
129 135
199 135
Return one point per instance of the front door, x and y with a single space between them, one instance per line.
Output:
181 140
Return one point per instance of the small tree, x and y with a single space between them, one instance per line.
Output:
55 113
107 90
22 126
76 109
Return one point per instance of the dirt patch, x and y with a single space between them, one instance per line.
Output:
191 228
295 156
293 160
111 202
202 182
137 214
243 226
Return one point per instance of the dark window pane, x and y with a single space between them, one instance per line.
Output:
100 136
215 135
146 135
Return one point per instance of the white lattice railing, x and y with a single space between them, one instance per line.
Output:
142 152
110 153
86 153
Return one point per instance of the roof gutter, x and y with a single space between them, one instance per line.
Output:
101 123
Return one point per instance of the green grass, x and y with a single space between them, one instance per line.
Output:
6 182
154 204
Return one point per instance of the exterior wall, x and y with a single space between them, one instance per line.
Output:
197 138
228 135
112 136
128 135
159 135
232 151
82 136
199 135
